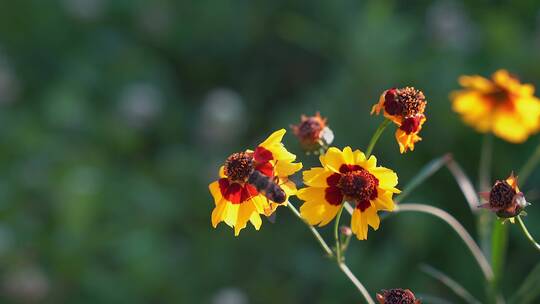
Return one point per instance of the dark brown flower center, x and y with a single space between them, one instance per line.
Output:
399 296
404 102
239 166
359 185
501 195
310 128
411 124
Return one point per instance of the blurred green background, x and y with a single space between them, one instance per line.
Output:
115 116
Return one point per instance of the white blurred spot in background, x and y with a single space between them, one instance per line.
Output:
450 27
140 104
230 295
9 84
86 10
26 284
223 117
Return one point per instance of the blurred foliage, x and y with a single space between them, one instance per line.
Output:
115 116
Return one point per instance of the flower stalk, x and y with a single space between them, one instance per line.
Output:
527 233
376 136
314 231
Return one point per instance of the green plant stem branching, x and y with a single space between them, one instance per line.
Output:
314 231
339 257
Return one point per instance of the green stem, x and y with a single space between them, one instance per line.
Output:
529 166
314 231
336 235
458 228
527 233
376 136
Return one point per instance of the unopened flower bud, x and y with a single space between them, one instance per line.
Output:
505 198
397 296
345 230
313 133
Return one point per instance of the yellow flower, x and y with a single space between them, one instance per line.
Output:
405 107
502 105
505 198
253 183
347 176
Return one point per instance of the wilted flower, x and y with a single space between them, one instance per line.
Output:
347 176
253 183
405 107
502 105
314 134
505 199
397 296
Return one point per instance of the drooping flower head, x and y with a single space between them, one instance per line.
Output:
313 133
505 198
501 105
347 176
397 296
405 107
253 183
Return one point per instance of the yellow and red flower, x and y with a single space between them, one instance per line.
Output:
347 176
505 198
501 105
236 200
405 107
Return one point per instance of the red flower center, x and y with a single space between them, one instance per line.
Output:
239 166
411 124
359 185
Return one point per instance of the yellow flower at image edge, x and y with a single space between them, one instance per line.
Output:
347 176
501 105
253 183
405 108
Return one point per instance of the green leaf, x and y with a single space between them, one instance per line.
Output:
529 290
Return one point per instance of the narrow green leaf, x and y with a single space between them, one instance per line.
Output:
529 290
428 170
450 283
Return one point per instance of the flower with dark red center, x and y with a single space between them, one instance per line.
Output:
501 105
405 107
237 200
504 198
347 176
397 296
313 133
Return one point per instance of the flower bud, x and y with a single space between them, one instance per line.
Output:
313 133
397 296
505 198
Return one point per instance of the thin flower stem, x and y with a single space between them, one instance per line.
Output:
527 233
529 166
316 234
458 228
336 235
376 136
345 269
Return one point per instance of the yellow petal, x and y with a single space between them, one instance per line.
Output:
348 155
333 159
372 217
255 220
388 179
384 200
316 177
215 191
217 213
245 210
359 224
284 168
230 214
274 138
318 212
311 194
289 187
